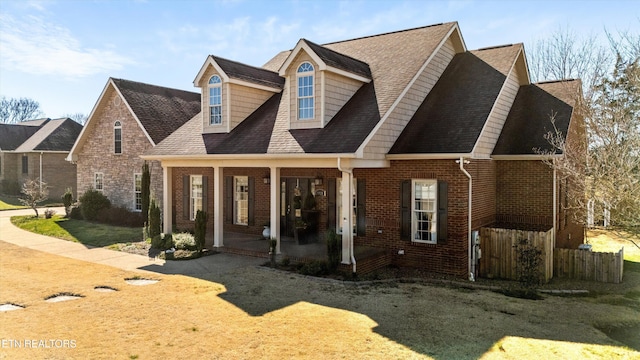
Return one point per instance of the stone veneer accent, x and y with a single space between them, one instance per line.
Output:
97 154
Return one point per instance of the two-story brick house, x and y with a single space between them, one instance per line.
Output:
128 119
36 149
407 142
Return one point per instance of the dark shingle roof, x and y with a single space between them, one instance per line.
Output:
340 61
39 135
530 119
13 135
54 135
251 136
249 73
455 111
348 128
161 110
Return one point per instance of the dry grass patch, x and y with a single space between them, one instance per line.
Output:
253 313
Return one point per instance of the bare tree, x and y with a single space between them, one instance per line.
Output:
77 117
35 192
603 168
16 110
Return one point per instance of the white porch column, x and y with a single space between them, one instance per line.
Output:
347 218
218 202
274 211
167 206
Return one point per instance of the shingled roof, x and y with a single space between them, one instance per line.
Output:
530 117
453 114
340 61
249 73
161 110
39 135
13 135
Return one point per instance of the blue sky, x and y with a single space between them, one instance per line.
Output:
61 53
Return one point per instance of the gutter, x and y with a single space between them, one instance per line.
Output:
462 161
40 171
353 258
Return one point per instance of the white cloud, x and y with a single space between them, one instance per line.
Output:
35 46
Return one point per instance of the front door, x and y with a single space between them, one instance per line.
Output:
292 194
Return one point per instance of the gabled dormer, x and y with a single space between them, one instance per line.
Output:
320 81
231 91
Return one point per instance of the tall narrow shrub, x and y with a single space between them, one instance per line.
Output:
154 220
333 250
146 191
67 200
201 229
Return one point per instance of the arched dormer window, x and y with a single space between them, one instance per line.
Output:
215 100
306 102
117 137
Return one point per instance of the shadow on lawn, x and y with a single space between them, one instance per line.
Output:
442 329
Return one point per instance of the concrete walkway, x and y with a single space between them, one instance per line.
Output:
219 263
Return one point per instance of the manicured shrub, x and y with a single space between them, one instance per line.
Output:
162 242
314 268
67 200
120 216
200 229
91 202
184 241
154 219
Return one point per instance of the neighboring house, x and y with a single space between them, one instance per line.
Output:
407 141
128 119
36 149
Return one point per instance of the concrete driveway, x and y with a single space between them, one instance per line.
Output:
220 263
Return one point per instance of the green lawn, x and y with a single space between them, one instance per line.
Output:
85 232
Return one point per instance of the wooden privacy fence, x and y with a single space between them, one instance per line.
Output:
499 256
587 265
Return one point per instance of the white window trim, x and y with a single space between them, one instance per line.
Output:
354 206
117 126
136 192
414 211
192 210
95 181
312 74
211 86
237 200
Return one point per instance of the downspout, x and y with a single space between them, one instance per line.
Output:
41 172
353 258
462 161
555 203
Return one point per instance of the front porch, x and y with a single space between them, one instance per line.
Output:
368 258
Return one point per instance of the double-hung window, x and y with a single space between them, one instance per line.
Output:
25 164
305 91
117 137
137 191
215 100
241 200
195 196
424 211
98 181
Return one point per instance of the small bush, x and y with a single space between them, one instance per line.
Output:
120 216
529 260
10 187
76 213
184 241
162 242
92 201
48 214
314 268
285 261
